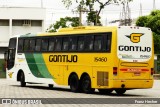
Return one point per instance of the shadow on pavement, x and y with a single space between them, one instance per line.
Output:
68 90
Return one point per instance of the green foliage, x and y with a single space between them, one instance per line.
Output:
62 23
142 21
152 21
156 38
93 15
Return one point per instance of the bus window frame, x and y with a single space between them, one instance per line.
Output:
54 41
28 46
31 45
73 40
22 47
63 40
43 44
106 36
39 49
60 48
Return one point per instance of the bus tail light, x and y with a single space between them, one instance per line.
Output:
152 71
115 71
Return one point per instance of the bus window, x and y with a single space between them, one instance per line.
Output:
107 42
12 43
44 45
51 44
26 44
73 46
89 43
98 43
38 45
80 43
65 44
32 45
58 44
20 45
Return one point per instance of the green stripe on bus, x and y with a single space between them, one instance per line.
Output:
41 65
32 65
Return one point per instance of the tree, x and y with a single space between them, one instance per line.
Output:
63 23
85 6
93 15
152 21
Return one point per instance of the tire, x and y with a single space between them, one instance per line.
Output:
50 86
120 91
105 91
22 80
86 85
74 83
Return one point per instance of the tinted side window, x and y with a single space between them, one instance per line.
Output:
107 41
26 44
32 44
58 44
73 42
38 45
98 43
20 45
65 44
89 43
51 44
81 43
12 43
44 45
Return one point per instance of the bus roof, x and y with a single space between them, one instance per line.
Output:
77 30
80 30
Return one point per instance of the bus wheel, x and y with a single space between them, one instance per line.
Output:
105 91
22 80
50 86
120 91
86 85
74 83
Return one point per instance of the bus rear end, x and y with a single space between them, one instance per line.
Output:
135 58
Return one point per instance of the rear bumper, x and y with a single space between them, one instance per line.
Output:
132 84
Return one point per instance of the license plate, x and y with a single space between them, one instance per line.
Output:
137 73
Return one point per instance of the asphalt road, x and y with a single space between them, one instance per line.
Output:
12 89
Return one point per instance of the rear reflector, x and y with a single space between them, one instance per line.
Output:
115 71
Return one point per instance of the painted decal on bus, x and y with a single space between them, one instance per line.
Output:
135 37
134 48
63 58
134 44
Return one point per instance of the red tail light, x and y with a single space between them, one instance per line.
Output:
115 71
152 71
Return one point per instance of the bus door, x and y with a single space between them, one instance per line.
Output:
10 54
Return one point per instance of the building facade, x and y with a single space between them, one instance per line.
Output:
15 21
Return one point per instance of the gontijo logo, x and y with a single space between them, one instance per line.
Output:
135 37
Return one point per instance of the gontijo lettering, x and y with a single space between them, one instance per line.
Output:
134 48
63 58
